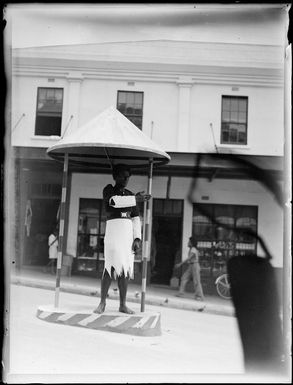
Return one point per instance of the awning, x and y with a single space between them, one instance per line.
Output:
109 137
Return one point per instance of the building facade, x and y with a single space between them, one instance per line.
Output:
191 98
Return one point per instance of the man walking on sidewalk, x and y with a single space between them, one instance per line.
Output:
192 271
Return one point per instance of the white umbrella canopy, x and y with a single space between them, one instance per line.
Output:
109 136
108 139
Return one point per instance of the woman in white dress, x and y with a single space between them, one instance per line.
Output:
122 235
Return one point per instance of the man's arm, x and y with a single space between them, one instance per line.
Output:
191 254
181 263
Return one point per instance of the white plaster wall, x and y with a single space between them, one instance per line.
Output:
265 128
160 113
159 105
219 192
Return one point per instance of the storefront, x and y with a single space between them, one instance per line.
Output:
175 219
37 201
240 203
217 244
166 239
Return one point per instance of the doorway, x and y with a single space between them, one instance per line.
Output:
166 238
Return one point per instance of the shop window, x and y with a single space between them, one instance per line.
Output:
203 227
245 221
38 225
130 104
158 207
90 237
177 207
234 120
217 243
49 111
168 207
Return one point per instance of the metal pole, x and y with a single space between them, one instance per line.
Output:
146 237
61 229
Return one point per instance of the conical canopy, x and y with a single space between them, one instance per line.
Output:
109 137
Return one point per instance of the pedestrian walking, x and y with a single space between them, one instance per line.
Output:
122 235
192 271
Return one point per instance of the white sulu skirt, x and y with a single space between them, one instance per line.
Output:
118 247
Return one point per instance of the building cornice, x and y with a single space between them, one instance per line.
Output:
168 73
157 61
162 51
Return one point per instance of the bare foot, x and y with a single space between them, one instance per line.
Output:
101 308
125 309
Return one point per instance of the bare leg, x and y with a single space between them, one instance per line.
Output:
105 284
122 284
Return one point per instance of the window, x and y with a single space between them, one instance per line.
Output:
49 111
167 207
90 237
216 243
234 120
130 105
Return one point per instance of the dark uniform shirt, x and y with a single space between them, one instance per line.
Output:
121 212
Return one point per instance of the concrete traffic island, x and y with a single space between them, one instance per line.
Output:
139 324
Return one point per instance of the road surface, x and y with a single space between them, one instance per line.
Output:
192 345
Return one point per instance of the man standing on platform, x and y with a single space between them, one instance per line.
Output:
122 235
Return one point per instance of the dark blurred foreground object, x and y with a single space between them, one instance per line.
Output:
256 302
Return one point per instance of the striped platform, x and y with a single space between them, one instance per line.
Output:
140 324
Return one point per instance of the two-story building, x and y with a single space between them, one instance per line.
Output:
222 94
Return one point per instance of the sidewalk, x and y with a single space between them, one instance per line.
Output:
155 294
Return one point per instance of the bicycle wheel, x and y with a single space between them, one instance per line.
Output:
223 287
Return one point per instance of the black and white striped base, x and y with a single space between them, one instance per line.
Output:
140 324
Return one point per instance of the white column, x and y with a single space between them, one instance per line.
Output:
184 88
74 88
